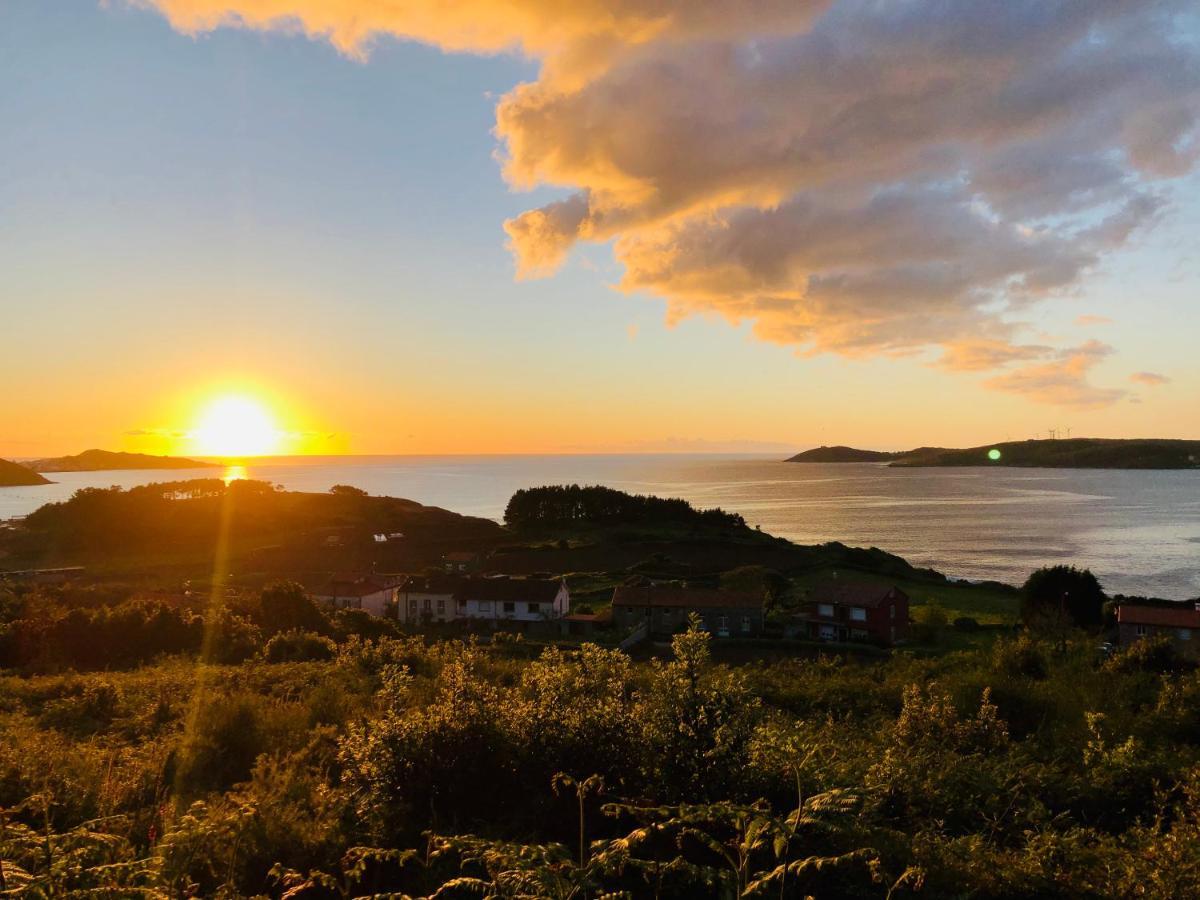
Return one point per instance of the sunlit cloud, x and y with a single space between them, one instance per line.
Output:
1088 321
848 177
1149 379
1061 381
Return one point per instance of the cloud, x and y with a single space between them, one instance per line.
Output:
849 176
1149 379
1061 381
1088 320
981 355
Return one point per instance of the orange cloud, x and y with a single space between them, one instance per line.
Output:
855 178
1149 379
1062 381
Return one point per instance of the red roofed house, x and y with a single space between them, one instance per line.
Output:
1180 623
855 611
370 592
665 609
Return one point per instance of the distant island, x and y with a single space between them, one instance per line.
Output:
1068 453
106 460
16 475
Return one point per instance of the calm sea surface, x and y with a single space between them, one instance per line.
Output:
1139 531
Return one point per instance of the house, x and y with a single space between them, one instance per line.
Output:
854 611
664 609
1180 622
501 599
374 593
427 598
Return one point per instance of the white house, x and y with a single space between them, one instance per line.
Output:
512 599
427 598
372 593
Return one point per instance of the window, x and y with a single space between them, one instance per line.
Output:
441 606
1141 631
485 605
723 623
509 606
858 614
428 604
534 607
892 611
825 609
629 609
745 623
1184 634
412 605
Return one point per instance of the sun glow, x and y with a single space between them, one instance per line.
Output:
236 426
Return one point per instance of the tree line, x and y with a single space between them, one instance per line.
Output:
575 504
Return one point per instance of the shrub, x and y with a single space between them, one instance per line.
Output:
1022 657
299 646
1149 654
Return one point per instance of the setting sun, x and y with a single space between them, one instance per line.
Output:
236 426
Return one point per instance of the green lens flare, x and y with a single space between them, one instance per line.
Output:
993 454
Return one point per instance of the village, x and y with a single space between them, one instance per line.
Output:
837 611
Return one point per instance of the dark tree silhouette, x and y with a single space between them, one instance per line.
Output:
1074 595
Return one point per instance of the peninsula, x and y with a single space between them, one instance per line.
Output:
1068 453
16 475
108 460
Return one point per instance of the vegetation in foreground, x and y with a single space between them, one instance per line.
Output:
296 754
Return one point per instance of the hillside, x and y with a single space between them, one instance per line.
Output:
181 524
108 460
840 455
15 475
1069 453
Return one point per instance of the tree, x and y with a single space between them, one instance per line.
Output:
347 490
1062 596
286 606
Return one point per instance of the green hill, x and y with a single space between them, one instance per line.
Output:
841 454
1069 453
108 460
14 475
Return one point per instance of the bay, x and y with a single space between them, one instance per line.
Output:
1139 531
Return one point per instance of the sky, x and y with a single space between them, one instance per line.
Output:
638 225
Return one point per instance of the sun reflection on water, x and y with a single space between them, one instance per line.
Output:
234 473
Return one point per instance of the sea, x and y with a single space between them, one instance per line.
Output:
1139 531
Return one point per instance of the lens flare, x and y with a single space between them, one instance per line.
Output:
994 455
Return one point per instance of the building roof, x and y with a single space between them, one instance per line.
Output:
351 586
501 590
854 593
1183 615
684 598
430 584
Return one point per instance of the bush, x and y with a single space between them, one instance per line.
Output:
966 624
1022 657
299 646
1149 654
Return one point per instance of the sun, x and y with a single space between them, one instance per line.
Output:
236 426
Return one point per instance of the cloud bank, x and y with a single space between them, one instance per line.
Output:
848 176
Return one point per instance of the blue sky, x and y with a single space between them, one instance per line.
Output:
246 210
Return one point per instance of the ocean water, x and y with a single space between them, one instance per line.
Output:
1139 531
